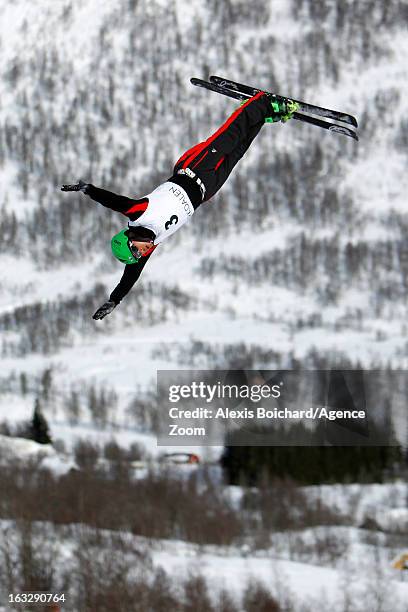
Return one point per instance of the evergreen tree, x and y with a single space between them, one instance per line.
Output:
39 426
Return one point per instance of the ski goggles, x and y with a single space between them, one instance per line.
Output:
134 250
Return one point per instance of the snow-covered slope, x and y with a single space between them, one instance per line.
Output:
323 567
102 92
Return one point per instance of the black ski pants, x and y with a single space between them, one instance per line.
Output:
213 160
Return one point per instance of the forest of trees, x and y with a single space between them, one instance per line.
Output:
313 464
119 115
77 403
46 327
85 533
324 256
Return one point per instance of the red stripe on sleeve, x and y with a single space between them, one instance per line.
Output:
140 206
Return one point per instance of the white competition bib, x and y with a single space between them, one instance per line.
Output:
168 209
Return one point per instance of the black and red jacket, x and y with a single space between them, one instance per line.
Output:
211 162
133 209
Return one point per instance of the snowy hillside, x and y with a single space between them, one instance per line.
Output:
329 567
301 261
103 93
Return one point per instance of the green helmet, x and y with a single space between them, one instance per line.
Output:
123 250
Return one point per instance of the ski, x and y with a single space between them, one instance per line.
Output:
212 87
326 125
312 109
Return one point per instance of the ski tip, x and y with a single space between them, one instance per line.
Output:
196 81
200 83
339 129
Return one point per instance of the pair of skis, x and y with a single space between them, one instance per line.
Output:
332 119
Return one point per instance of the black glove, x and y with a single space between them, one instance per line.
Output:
104 310
79 186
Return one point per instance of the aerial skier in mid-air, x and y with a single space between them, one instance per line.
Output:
197 176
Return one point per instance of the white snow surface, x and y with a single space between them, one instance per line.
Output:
377 176
229 311
364 570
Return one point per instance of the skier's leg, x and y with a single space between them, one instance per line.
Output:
231 133
188 153
235 129
259 113
239 127
215 178
214 165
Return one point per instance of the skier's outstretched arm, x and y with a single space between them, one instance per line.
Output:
111 200
129 277
114 201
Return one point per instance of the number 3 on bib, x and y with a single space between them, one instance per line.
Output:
173 220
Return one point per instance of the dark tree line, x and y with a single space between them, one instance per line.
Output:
196 508
328 452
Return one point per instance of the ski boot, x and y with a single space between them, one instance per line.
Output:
283 110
